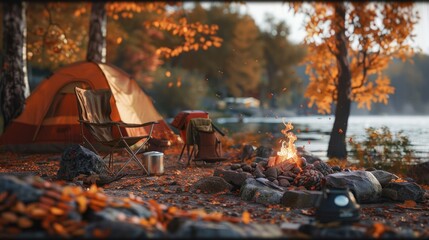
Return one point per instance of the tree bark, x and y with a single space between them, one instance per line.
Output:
337 142
14 87
97 33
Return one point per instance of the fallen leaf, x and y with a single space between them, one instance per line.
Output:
408 204
307 212
82 201
246 217
378 229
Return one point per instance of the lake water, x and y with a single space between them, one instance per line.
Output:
313 131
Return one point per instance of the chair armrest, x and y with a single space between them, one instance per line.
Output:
133 125
105 124
218 130
121 124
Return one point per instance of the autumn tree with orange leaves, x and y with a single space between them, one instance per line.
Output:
54 24
59 32
191 36
349 46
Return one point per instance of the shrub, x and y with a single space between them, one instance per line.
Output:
382 149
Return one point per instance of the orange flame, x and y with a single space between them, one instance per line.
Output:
288 150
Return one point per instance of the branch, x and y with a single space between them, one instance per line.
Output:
330 49
364 70
334 94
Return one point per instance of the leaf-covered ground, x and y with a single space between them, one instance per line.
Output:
173 188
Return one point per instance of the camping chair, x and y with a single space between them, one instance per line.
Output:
181 122
94 113
201 136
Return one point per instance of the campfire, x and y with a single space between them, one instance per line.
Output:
287 168
288 152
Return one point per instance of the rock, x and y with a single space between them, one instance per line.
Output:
263 164
271 172
268 183
288 175
77 160
213 184
201 229
286 166
138 210
254 190
232 177
384 177
258 173
284 182
302 162
264 152
296 170
20 174
300 199
253 164
116 229
420 172
271 179
401 191
370 169
276 182
268 196
235 166
363 184
336 168
344 232
408 179
23 191
112 214
323 168
309 157
249 188
269 231
247 168
261 159
247 153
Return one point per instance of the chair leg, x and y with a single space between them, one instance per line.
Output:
181 153
108 166
191 155
133 157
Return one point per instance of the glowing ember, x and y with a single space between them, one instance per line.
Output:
288 150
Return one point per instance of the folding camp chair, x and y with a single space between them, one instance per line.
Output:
201 136
94 113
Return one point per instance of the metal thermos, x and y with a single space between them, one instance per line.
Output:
154 162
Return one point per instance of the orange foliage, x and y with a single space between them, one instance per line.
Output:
376 32
58 31
169 21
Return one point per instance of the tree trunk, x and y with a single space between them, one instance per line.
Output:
97 33
14 87
337 142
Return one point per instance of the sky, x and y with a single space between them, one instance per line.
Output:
281 11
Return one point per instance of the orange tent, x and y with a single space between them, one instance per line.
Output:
49 122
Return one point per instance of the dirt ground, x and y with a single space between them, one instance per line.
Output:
174 188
